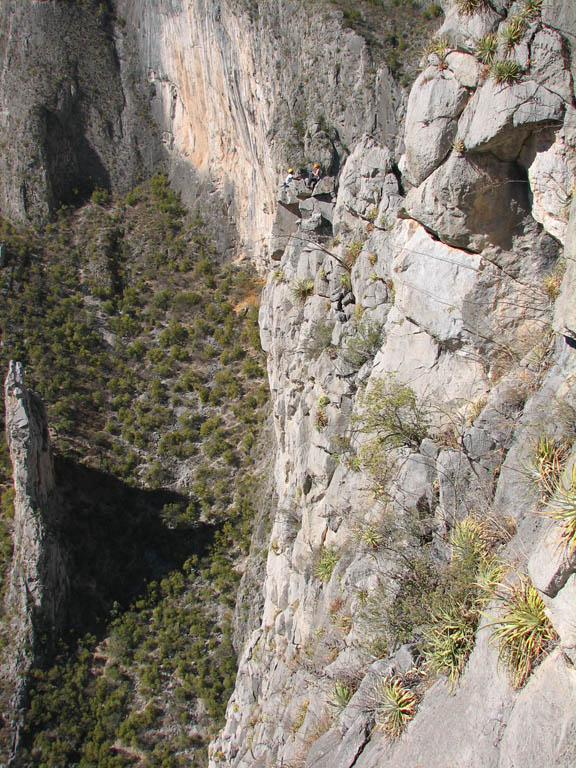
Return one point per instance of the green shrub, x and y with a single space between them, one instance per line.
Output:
363 344
391 411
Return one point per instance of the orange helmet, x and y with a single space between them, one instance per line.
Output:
316 165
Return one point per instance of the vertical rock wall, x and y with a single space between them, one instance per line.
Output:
451 272
36 599
239 90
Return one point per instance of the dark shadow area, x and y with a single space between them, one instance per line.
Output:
74 167
116 541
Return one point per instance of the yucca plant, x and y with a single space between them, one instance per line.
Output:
523 632
562 508
340 696
449 639
302 289
546 465
394 705
506 71
486 48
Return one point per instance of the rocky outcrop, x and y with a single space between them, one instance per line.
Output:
36 599
441 290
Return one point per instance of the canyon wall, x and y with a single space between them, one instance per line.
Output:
437 288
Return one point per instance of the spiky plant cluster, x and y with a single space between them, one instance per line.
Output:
470 7
340 696
474 571
394 705
301 289
547 464
505 71
326 564
562 508
450 639
523 632
514 31
486 48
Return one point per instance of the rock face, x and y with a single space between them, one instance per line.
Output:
36 598
228 107
437 281
69 108
438 284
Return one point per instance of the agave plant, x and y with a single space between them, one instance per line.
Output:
562 508
523 632
394 705
506 71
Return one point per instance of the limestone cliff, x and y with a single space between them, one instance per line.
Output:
36 599
441 285
419 280
239 93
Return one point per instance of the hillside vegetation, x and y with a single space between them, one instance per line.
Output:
145 348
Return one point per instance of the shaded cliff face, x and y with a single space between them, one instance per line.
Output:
72 116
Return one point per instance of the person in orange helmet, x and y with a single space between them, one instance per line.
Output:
315 176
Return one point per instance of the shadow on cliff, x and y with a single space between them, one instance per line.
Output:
116 540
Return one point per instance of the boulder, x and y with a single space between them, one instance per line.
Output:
463 201
435 103
499 117
432 281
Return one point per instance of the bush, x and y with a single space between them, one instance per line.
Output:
391 411
364 343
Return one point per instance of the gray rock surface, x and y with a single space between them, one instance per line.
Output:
435 103
38 581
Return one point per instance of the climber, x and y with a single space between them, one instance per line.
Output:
315 176
288 178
